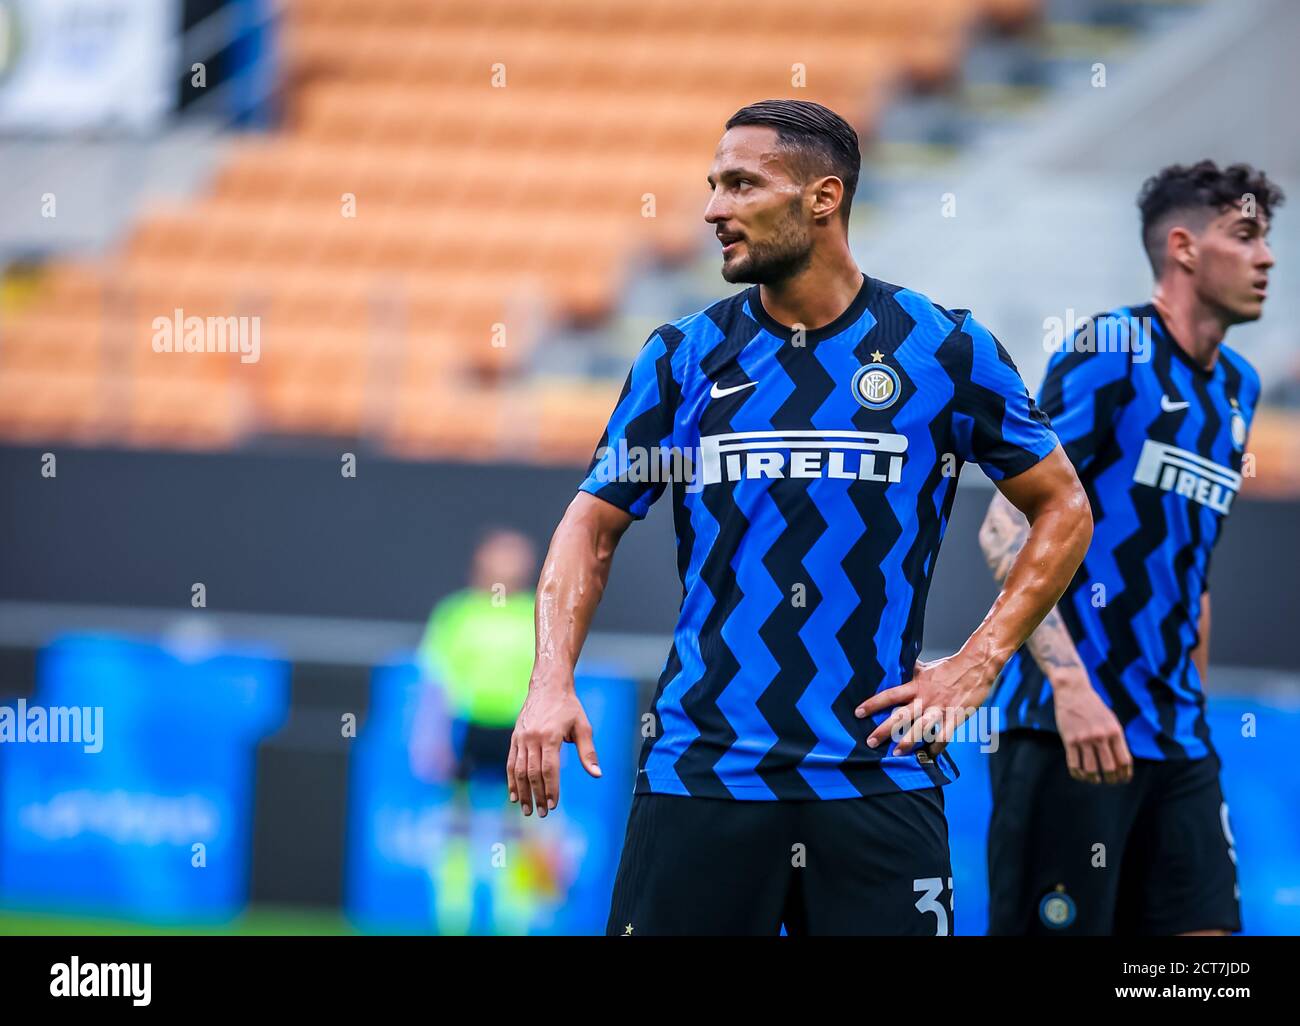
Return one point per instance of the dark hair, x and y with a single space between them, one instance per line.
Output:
1203 187
819 140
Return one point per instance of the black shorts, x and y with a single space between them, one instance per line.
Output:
1153 856
715 866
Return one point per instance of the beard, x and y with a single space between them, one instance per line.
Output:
776 259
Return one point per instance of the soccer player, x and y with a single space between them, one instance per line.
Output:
827 414
1108 815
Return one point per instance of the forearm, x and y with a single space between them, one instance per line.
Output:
1035 565
1002 537
569 589
1035 571
1201 653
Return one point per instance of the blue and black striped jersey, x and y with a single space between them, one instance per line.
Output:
1158 443
822 468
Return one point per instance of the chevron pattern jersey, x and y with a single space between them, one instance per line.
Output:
813 473
1158 442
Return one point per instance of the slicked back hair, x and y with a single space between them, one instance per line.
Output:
818 140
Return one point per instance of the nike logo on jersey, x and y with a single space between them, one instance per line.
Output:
721 393
1169 406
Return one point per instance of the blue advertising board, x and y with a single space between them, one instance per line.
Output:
147 813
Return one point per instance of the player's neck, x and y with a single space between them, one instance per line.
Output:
815 296
1196 328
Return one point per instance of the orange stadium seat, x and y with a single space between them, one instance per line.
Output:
192 413
41 404
451 423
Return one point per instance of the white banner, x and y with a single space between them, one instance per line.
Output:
67 65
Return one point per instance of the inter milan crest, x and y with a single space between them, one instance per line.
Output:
1057 909
876 385
1238 426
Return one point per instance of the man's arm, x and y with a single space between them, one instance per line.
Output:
572 581
1201 653
948 691
1002 536
1095 749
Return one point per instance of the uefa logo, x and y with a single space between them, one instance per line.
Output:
876 386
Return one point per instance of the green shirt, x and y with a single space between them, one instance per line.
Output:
481 652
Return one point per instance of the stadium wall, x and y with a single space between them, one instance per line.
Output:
283 534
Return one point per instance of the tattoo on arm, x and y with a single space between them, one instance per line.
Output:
1051 645
1002 536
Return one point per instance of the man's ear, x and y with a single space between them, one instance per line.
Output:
827 196
1180 247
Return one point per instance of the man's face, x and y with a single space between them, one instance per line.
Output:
1232 264
758 208
504 558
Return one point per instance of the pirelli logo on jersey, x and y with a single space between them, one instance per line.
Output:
1188 474
846 455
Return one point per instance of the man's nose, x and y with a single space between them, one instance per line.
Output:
716 209
1265 259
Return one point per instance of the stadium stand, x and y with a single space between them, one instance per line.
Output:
434 194
437 194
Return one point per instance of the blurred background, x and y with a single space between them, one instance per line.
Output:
289 581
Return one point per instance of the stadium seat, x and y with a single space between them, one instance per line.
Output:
408 230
